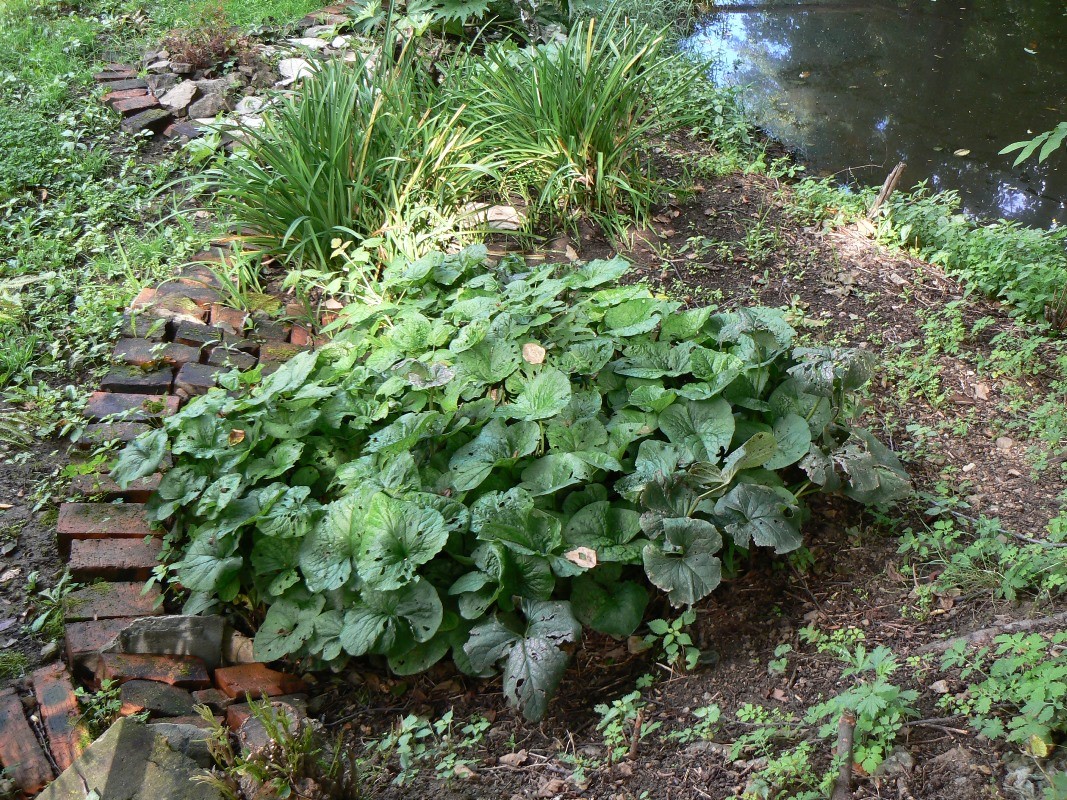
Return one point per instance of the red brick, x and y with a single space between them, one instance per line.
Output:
134 380
188 672
114 559
194 379
85 640
256 680
153 303
301 336
199 335
270 332
200 294
112 601
239 713
122 94
132 407
200 274
232 317
119 73
103 433
231 358
21 755
101 521
96 484
146 353
133 105
60 714
142 326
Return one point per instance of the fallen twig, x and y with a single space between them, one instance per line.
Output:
846 735
635 737
986 635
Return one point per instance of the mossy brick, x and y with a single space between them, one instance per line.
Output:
112 600
194 379
213 699
130 407
134 105
96 520
146 353
134 380
114 559
85 640
152 119
275 351
97 484
155 698
60 714
233 318
269 331
200 294
143 326
256 680
118 73
22 757
188 672
127 83
168 306
231 358
199 335
101 433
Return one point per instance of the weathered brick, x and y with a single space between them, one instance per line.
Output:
134 105
97 484
197 334
270 332
168 306
123 94
146 353
158 699
127 83
132 407
239 713
256 680
232 358
102 433
153 119
119 73
59 714
213 699
278 352
188 672
143 326
114 559
85 640
21 755
200 294
96 520
134 380
201 274
194 379
301 336
231 317
112 601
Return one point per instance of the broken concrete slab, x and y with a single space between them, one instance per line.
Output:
175 635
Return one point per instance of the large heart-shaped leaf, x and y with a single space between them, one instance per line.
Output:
496 444
703 428
616 609
544 396
684 564
392 622
141 457
287 627
755 513
399 537
328 554
608 530
793 436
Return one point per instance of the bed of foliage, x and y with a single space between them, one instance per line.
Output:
488 458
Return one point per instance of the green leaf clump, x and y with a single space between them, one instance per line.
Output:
564 460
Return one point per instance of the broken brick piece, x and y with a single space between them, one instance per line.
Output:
301 336
132 105
270 332
146 353
213 699
188 672
133 380
197 334
114 559
199 293
112 601
103 433
194 379
123 94
85 640
256 680
22 757
278 352
201 273
231 317
97 484
132 407
158 699
59 714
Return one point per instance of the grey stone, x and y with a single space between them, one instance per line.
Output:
181 67
133 761
210 105
189 740
180 96
177 635
154 120
293 69
158 699
250 105
161 84
159 67
340 42
237 648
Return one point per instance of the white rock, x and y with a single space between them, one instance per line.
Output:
340 42
250 105
180 96
294 69
318 31
310 42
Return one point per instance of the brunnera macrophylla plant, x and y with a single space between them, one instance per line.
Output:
492 458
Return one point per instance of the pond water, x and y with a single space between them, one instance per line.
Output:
857 85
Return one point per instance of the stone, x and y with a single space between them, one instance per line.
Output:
154 120
186 130
168 305
256 680
159 67
213 699
22 757
131 407
138 381
340 42
60 714
239 713
188 739
114 559
237 648
231 358
111 98
158 699
210 105
161 84
310 43
180 96
181 68
320 31
134 761
120 73
196 379
111 601
293 70
186 671
250 105
253 735
97 484
177 635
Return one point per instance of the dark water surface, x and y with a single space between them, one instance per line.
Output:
858 86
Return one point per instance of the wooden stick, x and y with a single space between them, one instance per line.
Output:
986 635
635 739
887 189
846 735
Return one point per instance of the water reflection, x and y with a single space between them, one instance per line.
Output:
857 86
